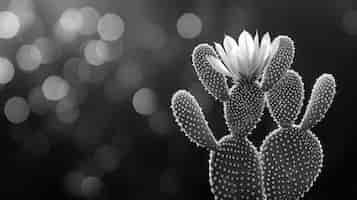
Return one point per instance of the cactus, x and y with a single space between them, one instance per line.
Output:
260 73
292 155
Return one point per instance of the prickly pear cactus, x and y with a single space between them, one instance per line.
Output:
260 73
292 155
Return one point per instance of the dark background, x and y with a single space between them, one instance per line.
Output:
111 151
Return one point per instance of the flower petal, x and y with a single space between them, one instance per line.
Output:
255 58
232 57
242 57
222 54
229 43
271 51
218 66
264 48
256 41
235 67
247 43
243 62
266 39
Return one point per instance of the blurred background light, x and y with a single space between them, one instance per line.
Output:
144 101
7 71
91 186
63 36
55 88
16 110
66 110
9 25
102 50
110 27
349 22
71 20
96 52
189 25
90 18
73 182
28 58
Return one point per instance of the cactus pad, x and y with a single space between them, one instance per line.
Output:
214 82
244 108
190 118
235 171
285 99
320 101
291 160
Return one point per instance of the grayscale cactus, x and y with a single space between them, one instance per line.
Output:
260 74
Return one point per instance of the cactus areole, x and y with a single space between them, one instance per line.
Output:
291 157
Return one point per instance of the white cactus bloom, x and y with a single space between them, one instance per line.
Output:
245 59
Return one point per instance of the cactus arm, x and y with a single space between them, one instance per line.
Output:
279 63
214 82
322 96
189 117
244 108
285 99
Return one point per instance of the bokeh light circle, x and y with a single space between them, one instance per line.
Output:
189 26
55 88
7 71
103 50
16 110
91 186
349 22
90 20
110 27
71 20
28 57
144 101
9 25
73 182
93 54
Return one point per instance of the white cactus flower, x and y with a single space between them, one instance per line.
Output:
245 59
